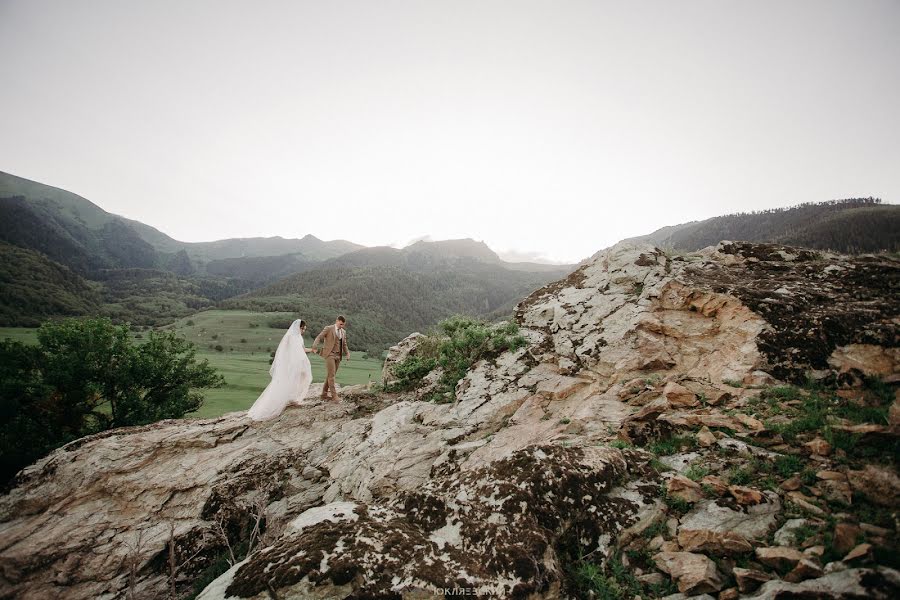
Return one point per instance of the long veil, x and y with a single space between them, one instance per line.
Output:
291 377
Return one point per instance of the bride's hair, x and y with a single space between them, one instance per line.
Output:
302 324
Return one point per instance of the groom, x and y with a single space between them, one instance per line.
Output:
334 348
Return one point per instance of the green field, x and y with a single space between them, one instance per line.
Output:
246 341
27 335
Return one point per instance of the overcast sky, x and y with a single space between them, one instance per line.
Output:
556 128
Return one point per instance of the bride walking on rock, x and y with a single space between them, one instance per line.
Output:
291 375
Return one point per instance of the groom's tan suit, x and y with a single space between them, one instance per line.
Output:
334 348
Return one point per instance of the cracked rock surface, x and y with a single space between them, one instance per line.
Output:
643 372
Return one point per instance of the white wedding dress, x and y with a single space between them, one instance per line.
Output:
291 377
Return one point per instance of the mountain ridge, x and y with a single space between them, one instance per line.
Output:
852 225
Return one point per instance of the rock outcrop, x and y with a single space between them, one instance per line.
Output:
645 429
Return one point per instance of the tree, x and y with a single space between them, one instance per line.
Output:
86 376
28 427
161 381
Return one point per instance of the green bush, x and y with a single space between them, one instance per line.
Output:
85 376
459 343
412 370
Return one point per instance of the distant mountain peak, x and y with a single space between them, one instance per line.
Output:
459 248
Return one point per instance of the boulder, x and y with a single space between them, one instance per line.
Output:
805 569
487 528
786 536
873 584
396 355
756 523
705 437
693 573
779 557
749 580
716 484
791 484
716 543
877 484
869 359
860 553
745 495
818 446
679 396
894 411
683 488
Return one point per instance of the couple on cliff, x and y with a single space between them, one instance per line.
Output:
292 373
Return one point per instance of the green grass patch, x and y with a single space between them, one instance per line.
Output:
25 335
740 476
658 528
613 580
676 505
696 473
673 445
620 444
659 465
788 464
782 392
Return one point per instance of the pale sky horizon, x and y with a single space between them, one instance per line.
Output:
545 128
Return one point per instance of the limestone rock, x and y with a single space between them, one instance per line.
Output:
873 584
779 557
693 573
716 484
705 437
860 553
749 422
679 396
805 569
877 484
651 410
818 447
894 411
749 580
716 543
869 359
835 486
729 594
493 524
791 484
805 503
396 355
745 495
755 523
786 536
685 489
560 387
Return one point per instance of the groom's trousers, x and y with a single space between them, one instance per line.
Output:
331 366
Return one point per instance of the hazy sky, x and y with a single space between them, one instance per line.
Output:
549 127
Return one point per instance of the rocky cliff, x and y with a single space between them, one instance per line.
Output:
723 422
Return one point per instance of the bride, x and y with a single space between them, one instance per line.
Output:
291 375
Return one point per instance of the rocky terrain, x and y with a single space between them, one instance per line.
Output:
722 424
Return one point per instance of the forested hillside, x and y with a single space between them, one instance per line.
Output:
855 225
401 291
33 288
